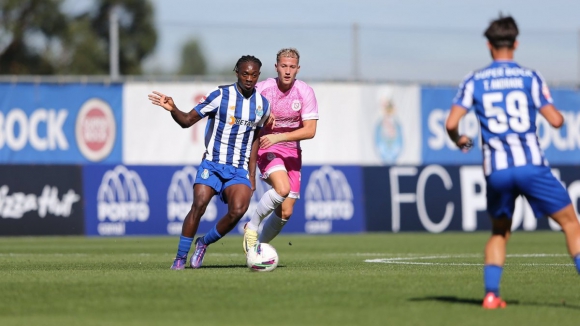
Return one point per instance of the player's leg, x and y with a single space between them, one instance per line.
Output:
238 199
202 197
501 193
237 193
495 252
274 169
567 219
276 221
271 198
547 196
282 214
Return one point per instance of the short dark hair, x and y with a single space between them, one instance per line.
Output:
502 32
247 58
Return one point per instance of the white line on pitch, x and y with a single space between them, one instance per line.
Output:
411 260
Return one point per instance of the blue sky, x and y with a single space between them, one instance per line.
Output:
411 40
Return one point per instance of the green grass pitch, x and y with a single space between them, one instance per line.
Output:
365 279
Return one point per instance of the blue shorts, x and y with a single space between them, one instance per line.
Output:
543 191
220 176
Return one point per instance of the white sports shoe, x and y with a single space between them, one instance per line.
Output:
250 238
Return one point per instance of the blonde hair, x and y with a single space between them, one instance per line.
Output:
288 53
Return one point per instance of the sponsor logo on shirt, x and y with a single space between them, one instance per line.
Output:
546 92
241 122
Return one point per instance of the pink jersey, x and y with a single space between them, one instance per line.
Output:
289 109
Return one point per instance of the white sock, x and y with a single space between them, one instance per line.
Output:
268 203
273 226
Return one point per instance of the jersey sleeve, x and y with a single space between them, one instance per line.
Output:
540 91
209 104
464 96
310 105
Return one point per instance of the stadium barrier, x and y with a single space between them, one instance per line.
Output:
154 200
118 200
381 161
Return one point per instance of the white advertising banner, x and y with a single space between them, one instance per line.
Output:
363 124
151 136
360 124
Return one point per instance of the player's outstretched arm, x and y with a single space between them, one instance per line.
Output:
185 120
552 115
307 131
452 125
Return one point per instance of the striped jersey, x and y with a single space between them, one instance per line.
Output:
232 121
506 98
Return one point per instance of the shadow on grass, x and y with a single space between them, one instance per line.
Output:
227 266
477 302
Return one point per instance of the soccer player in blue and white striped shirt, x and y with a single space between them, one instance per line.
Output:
506 99
236 114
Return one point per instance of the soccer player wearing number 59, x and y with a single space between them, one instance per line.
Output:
506 99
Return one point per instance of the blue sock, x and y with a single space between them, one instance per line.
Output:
491 278
184 246
577 263
211 237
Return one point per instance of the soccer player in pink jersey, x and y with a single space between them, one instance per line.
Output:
293 117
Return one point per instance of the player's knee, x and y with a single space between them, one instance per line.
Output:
198 207
237 211
283 190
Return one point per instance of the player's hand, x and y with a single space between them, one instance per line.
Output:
464 143
271 139
162 100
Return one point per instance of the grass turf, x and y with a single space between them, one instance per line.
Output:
418 279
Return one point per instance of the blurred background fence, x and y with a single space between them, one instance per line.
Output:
369 52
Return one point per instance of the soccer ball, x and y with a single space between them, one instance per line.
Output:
262 258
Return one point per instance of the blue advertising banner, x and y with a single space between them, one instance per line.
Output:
140 200
561 146
331 201
60 123
437 198
154 200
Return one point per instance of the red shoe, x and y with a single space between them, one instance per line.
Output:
492 302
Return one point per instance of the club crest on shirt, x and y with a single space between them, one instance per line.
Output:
205 174
296 106
271 156
232 107
259 111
